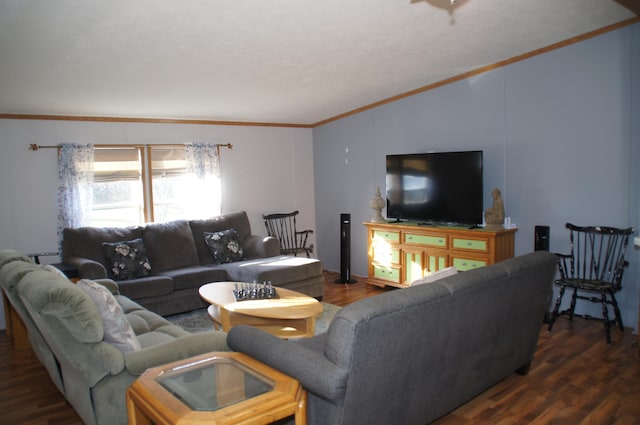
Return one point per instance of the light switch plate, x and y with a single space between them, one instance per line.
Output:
636 241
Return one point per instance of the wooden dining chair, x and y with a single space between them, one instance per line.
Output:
593 271
283 227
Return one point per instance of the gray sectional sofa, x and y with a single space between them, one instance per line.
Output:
412 355
78 342
180 260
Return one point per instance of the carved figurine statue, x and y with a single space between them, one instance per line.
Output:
377 204
494 216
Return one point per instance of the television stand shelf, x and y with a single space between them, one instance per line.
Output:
400 253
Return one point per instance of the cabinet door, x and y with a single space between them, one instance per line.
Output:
413 265
436 260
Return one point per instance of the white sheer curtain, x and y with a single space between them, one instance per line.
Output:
203 166
75 180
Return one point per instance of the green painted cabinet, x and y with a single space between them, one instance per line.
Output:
400 253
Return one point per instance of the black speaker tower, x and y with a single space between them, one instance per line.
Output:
541 238
345 250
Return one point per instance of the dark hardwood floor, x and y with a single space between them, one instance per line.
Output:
576 378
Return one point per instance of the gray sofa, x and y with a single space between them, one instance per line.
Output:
181 261
69 336
412 355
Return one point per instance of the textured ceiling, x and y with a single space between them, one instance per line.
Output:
275 61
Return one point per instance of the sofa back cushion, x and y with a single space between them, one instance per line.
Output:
10 255
169 245
87 242
235 220
55 301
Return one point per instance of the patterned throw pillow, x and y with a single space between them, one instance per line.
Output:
53 269
435 276
117 330
128 259
224 245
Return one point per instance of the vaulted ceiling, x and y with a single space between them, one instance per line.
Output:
267 61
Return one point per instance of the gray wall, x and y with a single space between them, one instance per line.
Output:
560 135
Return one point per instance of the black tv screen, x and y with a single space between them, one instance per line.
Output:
439 187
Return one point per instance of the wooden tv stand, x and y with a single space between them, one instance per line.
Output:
400 253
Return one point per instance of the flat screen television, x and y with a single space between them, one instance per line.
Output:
435 188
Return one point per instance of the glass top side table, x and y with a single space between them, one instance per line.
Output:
215 388
213 383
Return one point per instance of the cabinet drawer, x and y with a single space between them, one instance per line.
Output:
463 264
386 235
430 240
386 273
386 255
473 244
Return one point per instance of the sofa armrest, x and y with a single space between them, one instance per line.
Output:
137 362
311 368
261 247
87 268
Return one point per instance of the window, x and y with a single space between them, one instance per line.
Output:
137 184
117 187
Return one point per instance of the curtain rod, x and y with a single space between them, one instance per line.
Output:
34 146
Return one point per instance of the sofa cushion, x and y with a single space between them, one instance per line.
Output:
87 241
235 220
117 330
149 328
279 270
127 259
150 286
224 245
170 245
194 277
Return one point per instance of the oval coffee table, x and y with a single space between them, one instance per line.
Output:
291 315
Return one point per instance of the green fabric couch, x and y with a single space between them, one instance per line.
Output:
67 334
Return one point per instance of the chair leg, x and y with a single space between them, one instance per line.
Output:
556 308
572 309
616 310
605 317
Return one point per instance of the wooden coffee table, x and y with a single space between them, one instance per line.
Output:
219 388
291 315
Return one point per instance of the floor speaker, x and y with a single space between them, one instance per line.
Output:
345 250
541 238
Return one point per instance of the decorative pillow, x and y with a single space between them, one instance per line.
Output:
117 330
224 245
128 259
54 269
432 277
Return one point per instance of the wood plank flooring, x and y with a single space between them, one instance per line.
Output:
576 378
